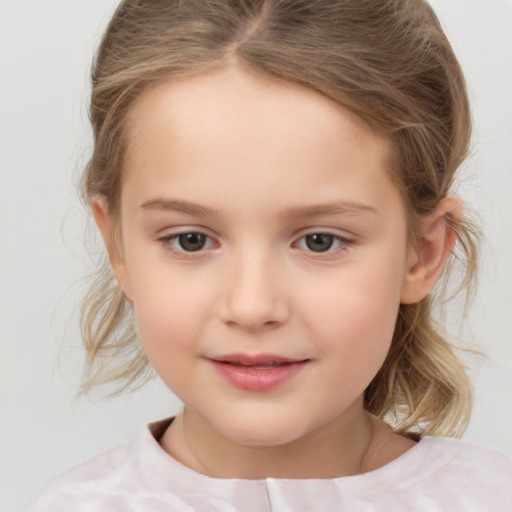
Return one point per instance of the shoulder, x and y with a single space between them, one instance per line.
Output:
106 481
438 474
468 457
460 475
74 489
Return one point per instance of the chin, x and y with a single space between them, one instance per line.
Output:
260 431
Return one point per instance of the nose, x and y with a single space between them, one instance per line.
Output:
255 297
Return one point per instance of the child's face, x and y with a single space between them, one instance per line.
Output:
297 252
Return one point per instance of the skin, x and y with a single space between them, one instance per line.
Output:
258 153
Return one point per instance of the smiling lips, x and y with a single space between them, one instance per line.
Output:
257 373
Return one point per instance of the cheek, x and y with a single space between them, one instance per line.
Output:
170 312
354 321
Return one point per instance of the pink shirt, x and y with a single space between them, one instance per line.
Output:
438 474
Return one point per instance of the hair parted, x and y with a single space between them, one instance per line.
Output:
387 60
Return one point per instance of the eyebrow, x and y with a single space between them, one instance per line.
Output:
174 205
292 212
335 208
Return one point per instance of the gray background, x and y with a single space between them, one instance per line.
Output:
45 51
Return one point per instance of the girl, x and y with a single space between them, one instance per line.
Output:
272 182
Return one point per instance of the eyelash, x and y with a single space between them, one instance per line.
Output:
339 243
168 242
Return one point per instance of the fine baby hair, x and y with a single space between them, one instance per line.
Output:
389 62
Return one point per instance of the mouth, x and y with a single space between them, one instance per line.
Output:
262 366
262 361
257 372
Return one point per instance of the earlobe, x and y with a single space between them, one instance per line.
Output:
103 219
435 244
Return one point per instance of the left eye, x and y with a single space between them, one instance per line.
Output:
188 242
321 242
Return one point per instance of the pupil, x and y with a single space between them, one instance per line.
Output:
192 241
319 242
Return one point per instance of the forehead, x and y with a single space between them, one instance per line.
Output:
252 134
232 96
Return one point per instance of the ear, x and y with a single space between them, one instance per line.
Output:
103 219
427 259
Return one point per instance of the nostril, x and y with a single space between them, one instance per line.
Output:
252 299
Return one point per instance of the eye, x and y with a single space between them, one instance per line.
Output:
322 242
319 242
187 242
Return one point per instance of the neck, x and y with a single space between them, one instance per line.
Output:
352 444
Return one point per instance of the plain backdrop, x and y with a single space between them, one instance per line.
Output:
46 48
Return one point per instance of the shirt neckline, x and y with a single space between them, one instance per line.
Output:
409 463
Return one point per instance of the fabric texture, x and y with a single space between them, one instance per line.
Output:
438 474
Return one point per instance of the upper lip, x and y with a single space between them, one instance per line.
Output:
254 359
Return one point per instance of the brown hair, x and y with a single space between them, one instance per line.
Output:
387 60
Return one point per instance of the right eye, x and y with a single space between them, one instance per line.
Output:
192 241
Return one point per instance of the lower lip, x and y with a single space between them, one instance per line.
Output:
258 379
